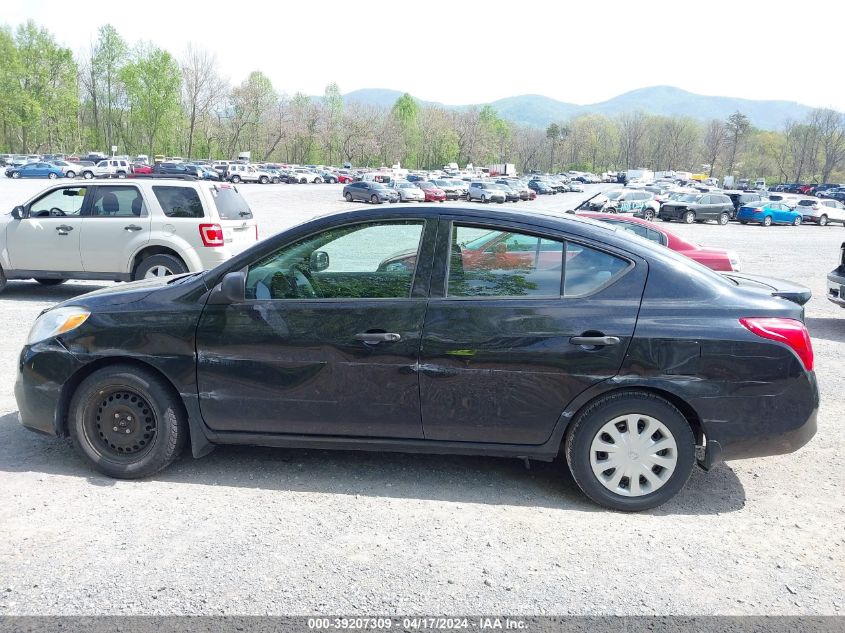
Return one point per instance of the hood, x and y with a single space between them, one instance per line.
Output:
124 293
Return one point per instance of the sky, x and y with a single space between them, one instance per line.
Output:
465 51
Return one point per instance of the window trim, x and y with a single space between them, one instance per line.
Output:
346 299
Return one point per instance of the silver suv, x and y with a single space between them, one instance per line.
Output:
122 232
485 192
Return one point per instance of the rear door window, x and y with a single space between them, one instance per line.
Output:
589 269
230 204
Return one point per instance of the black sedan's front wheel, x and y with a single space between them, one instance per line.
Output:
127 422
630 451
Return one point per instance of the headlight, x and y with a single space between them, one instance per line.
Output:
56 322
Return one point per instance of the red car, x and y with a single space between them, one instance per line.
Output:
344 178
141 168
432 192
714 258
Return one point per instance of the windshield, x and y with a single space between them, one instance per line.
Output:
230 204
613 195
690 198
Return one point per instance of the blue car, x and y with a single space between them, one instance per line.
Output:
767 213
35 170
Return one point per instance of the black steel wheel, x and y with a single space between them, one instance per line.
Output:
127 422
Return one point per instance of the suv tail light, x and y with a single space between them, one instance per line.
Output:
211 234
791 332
256 232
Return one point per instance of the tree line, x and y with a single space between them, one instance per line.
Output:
143 99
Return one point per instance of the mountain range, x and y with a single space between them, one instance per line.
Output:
539 111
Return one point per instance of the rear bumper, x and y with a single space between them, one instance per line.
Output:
836 288
750 426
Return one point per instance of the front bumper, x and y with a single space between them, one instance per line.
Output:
836 287
40 387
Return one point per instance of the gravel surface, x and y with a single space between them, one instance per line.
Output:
263 531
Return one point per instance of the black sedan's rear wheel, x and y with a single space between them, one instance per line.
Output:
127 422
630 451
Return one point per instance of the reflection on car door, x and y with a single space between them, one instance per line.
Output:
117 225
327 341
498 361
48 238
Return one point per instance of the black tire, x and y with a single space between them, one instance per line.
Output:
648 214
16 174
148 407
173 264
689 217
610 210
483 199
797 221
51 282
724 218
767 221
276 180
348 196
823 220
264 180
52 175
87 175
121 174
588 424
70 174
2 280
333 181
375 199
236 179
743 222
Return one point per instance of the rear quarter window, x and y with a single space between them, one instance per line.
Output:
230 204
179 202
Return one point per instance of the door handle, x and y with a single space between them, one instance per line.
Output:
374 338
64 228
595 341
133 227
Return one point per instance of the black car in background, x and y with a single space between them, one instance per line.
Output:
698 207
433 330
741 199
541 187
365 191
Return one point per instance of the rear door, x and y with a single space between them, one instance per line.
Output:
117 225
500 357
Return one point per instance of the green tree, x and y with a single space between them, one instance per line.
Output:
738 127
153 86
406 113
110 55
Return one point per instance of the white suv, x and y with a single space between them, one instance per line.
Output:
123 232
110 168
248 173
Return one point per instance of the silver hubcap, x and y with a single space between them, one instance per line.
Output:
158 271
633 455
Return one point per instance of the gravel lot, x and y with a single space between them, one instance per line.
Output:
262 531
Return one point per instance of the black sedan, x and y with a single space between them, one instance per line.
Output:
433 330
366 191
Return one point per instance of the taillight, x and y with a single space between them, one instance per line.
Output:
788 331
756 210
211 234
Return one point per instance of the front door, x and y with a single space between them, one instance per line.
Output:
327 341
48 238
502 354
116 225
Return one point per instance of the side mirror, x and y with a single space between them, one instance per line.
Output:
231 290
318 262
19 213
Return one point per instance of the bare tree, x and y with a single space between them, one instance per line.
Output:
715 139
202 88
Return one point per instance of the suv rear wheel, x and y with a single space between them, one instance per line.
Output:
630 451
724 218
823 220
159 266
236 179
689 217
87 175
127 422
